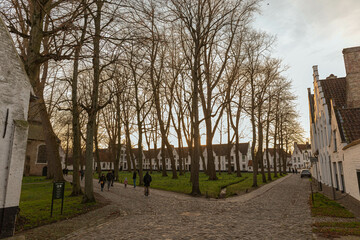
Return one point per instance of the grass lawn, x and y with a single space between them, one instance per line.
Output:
335 229
209 188
323 206
246 185
35 204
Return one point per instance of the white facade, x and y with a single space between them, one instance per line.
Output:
300 157
335 121
15 92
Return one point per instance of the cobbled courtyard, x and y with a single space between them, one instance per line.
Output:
278 210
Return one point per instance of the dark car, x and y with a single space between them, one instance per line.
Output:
305 173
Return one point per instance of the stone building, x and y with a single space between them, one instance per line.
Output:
36 158
15 92
335 127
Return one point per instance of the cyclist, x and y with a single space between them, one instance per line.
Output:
147 181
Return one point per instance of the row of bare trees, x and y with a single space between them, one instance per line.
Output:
163 70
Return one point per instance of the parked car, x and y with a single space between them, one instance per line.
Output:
305 173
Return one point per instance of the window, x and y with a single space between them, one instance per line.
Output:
335 146
243 166
298 159
41 155
243 158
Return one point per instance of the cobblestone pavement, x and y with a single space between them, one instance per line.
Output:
278 210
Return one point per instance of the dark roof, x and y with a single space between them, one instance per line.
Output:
271 151
221 149
243 147
349 123
311 106
135 152
348 119
335 89
70 160
151 153
303 147
184 153
105 155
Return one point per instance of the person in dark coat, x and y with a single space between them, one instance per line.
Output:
102 181
110 179
147 181
134 179
81 174
113 178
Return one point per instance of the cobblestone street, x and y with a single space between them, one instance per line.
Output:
278 210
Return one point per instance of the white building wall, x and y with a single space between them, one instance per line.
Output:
351 166
14 103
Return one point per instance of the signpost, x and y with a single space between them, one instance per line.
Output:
58 193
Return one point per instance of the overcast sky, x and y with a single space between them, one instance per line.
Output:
311 32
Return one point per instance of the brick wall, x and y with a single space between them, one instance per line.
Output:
352 67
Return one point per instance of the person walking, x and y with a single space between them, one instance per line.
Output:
125 182
81 174
102 181
113 178
109 178
134 179
147 181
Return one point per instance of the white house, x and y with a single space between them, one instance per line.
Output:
335 127
15 90
272 155
300 157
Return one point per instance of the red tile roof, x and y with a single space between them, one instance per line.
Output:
348 119
303 147
335 89
349 123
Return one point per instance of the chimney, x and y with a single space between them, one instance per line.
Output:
352 67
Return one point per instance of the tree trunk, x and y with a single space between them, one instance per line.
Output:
89 191
260 149
267 141
164 173
96 144
210 156
76 188
237 155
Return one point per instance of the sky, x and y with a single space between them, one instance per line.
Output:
310 32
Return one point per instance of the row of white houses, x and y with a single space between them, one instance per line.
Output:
220 152
335 127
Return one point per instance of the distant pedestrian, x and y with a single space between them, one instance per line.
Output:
296 171
109 178
125 182
134 179
102 181
113 178
147 181
293 171
81 174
